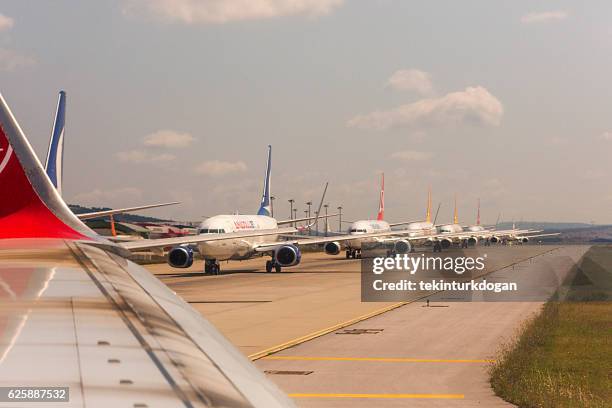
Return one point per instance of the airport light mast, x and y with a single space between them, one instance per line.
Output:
272 198
309 204
326 206
291 217
339 218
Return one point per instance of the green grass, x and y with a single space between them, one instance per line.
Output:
561 358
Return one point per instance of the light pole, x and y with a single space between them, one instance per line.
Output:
306 215
340 218
326 205
309 204
291 201
294 216
272 198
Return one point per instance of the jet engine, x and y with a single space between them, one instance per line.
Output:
472 241
332 248
180 257
495 239
402 246
445 243
522 240
287 255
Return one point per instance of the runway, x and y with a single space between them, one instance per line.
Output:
363 354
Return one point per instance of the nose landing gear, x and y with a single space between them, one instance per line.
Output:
211 267
271 264
353 253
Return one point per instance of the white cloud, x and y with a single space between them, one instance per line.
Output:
10 60
168 138
108 197
607 135
411 80
6 23
544 17
219 168
139 156
225 11
474 105
411 155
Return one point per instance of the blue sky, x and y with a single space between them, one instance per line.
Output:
177 100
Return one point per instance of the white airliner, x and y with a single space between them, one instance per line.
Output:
77 314
358 228
54 165
281 252
472 234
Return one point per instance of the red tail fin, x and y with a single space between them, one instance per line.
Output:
381 205
112 225
30 207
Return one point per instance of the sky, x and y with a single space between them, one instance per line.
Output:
168 100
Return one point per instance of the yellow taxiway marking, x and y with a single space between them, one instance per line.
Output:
389 396
319 333
382 359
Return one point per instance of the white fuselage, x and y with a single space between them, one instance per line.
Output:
421 228
242 248
450 228
365 227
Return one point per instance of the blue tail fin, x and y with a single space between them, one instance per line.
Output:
55 155
265 207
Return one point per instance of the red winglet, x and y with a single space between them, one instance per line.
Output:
23 214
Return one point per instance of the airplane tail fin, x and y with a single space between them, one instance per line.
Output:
428 214
35 208
455 216
265 207
55 155
112 226
381 203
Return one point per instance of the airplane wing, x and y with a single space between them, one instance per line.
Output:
74 314
395 224
97 214
193 239
408 235
283 222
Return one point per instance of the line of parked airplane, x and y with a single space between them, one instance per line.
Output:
244 236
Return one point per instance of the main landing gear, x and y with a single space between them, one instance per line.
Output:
464 243
211 267
353 253
437 247
271 264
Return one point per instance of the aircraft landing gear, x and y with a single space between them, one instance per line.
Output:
487 242
464 243
273 265
353 253
437 247
212 267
